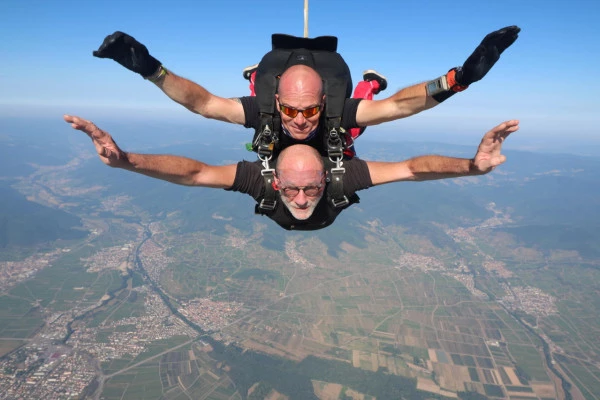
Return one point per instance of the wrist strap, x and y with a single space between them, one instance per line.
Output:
452 84
160 73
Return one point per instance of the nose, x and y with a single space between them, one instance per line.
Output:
301 200
299 118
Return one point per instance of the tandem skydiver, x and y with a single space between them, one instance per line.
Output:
303 200
297 98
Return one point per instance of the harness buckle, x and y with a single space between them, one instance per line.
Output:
265 142
269 173
342 202
268 205
334 145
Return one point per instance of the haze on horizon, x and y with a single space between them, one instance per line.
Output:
546 79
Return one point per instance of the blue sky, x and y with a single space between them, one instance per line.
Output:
548 79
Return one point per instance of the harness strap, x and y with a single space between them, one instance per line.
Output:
335 193
335 152
335 188
269 201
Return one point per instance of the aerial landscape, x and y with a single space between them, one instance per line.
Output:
120 287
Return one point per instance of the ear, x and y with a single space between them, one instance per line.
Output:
277 105
275 184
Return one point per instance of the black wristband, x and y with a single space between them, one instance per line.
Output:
443 96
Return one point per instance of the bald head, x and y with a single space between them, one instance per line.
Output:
300 88
300 79
299 168
299 157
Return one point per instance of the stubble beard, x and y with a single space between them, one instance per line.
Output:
304 213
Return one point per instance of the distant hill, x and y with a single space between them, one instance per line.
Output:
24 223
550 191
546 193
32 141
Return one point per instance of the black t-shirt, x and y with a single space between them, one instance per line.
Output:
249 180
252 112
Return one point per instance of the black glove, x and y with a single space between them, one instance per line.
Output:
486 54
128 52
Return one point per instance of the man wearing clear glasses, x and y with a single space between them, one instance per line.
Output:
300 175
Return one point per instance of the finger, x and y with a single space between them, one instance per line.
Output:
499 128
75 120
507 37
502 38
509 127
98 53
108 42
86 126
509 31
505 43
512 129
102 48
500 132
508 131
505 125
497 160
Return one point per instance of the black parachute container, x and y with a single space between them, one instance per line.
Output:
319 53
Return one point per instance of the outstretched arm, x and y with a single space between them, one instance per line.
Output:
431 167
406 102
175 169
134 56
199 100
422 96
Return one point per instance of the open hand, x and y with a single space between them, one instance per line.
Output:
107 149
488 154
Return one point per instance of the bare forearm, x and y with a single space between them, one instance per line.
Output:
199 100
426 168
406 102
430 167
423 168
412 100
185 92
175 169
